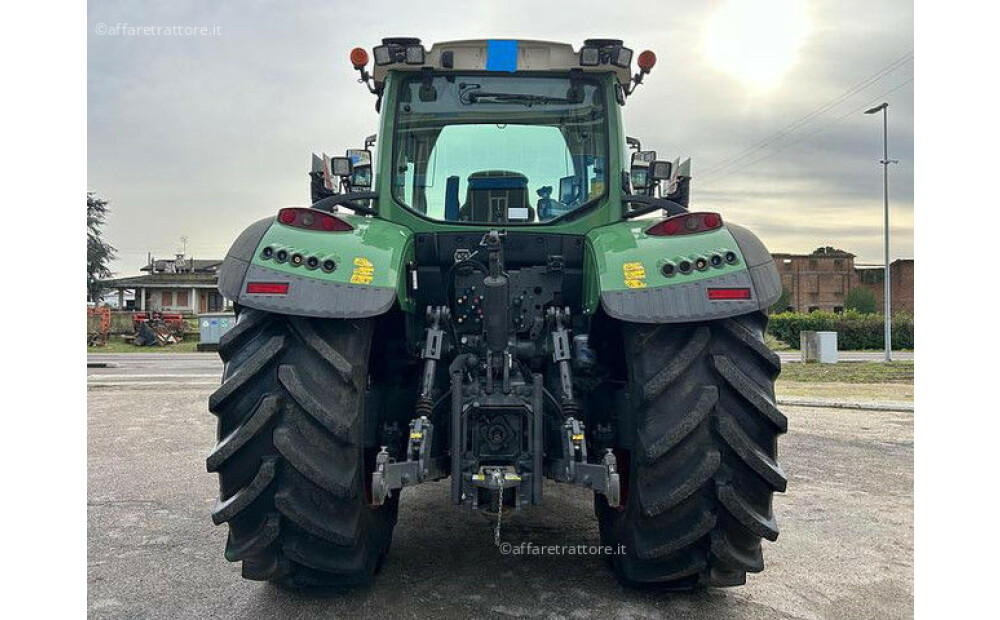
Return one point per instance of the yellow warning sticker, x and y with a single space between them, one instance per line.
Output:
364 271
635 274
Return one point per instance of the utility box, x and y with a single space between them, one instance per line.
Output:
818 347
211 327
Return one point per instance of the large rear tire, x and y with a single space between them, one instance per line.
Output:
291 456
703 465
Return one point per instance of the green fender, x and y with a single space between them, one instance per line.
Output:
626 278
367 279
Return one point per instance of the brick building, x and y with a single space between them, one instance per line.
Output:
900 283
822 280
184 285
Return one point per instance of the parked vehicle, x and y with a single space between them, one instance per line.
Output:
434 321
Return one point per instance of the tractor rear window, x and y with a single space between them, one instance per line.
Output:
507 149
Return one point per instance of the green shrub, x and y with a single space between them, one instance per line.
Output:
860 299
784 301
855 330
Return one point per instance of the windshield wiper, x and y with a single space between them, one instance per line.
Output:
470 97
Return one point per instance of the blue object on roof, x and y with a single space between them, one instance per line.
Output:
498 182
501 55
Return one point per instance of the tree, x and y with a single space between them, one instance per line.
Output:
100 253
860 299
827 250
782 304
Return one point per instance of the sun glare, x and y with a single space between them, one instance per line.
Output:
756 41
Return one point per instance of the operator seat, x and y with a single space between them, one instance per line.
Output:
491 194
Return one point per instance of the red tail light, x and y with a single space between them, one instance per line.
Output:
721 294
685 224
267 288
312 219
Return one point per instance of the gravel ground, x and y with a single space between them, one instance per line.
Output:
845 550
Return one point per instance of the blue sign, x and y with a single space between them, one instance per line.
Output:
501 55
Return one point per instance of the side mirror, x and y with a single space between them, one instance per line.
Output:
639 176
569 188
639 171
361 168
644 157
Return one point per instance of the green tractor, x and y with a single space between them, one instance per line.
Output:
480 299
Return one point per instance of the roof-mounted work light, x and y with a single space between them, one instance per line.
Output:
399 49
603 51
382 55
590 57
621 57
414 55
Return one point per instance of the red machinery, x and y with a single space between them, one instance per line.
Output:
98 325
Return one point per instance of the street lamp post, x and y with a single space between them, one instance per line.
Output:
884 109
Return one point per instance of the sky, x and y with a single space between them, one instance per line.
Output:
199 135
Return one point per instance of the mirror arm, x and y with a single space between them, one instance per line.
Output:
651 204
344 200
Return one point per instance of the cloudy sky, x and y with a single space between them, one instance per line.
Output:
198 136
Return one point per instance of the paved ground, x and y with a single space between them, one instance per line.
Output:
196 363
845 551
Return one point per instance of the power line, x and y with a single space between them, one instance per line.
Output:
882 73
764 143
819 129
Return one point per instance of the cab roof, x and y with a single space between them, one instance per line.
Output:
500 55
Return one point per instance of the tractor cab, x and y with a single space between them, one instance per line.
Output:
499 131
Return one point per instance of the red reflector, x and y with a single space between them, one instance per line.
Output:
728 293
685 224
268 288
312 219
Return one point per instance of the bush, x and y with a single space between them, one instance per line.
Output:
855 330
860 299
784 301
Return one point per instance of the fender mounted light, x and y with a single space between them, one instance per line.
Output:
685 224
312 219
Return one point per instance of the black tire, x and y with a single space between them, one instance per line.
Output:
703 467
291 457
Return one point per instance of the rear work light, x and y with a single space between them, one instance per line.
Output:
267 288
399 49
723 294
312 219
685 224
